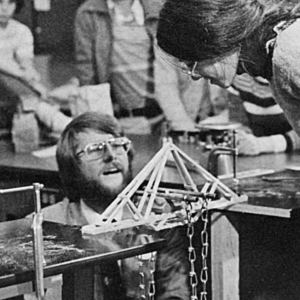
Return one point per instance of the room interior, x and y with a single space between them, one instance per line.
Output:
246 240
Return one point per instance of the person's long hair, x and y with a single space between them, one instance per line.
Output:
198 30
68 163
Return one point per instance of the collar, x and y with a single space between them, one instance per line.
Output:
93 217
137 12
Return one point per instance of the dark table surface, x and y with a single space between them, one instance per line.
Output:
277 197
65 247
276 194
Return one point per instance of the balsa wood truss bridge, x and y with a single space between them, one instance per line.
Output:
142 210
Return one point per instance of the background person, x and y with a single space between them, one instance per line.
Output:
219 39
18 75
114 43
269 131
16 49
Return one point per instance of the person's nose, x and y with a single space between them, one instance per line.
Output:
109 154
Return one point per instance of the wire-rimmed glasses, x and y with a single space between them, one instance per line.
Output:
95 151
186 67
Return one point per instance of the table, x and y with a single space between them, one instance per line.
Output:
255 245
234 230
67 251
23 170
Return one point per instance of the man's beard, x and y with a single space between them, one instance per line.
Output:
97 195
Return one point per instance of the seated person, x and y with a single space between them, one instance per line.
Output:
115 44
18 75
16 51
92 180
270 131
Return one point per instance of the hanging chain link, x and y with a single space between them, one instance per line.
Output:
192 258
152 279
192 252
142 276
204 252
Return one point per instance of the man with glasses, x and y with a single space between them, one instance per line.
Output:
94 160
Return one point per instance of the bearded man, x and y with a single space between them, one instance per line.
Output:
94 160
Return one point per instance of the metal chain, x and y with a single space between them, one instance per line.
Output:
142 279
192 258
204 252
152 279
192 252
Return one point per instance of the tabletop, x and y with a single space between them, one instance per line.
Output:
276 194
65 247
269 195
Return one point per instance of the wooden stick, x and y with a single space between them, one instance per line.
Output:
148 187
151 220
183 171
159 174
205 188
157 166
177 191
118 201
175 197
137 181
126 201
140 178
224 202
119 207
208 175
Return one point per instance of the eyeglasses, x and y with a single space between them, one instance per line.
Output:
186 67
95 151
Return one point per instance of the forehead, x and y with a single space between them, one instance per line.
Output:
90 136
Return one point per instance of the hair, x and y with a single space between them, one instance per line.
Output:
68 163
19 5
198 30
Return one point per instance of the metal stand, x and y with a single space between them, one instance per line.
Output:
37 230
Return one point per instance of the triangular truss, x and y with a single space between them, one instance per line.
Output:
142 210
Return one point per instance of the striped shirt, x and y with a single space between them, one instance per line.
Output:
265 116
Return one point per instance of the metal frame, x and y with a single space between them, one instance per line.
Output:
38 247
